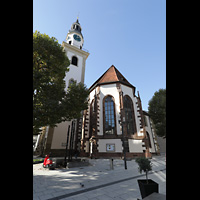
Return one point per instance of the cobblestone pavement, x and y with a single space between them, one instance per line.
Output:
100 182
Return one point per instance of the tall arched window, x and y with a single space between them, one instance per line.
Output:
92 118
149 140
129 114
74 60
109 115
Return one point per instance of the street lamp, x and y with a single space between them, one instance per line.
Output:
122 124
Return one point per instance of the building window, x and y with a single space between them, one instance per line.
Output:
92 118
145 121
129 114
77 28
149 140
109 116
71 81
74 60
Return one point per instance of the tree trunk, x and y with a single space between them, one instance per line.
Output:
147 176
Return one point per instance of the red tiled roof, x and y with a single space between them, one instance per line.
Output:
112 75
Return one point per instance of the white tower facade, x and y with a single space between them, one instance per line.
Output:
65 134
76 54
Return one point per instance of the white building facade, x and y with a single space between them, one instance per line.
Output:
114 121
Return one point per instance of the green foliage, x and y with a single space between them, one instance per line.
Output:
157 111
51 104
144 165
75 101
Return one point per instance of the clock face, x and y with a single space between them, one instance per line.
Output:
77 37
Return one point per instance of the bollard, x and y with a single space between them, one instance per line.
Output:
111 164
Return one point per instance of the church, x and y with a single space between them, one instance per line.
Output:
114 123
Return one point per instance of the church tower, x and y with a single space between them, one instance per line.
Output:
74 36
77 55
66 133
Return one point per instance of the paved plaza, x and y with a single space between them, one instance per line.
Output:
97 181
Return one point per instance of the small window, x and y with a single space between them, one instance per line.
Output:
70 42
74 60
77 28
71 81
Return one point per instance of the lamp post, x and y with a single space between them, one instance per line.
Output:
122 124
125 164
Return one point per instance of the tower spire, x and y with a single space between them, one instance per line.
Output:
77 18
74 36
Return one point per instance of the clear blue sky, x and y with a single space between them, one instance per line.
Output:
129 34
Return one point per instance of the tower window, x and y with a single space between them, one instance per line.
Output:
74 60
71 81
70 42
77 28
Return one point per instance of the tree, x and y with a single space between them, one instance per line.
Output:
144 164
74 101
157 111
51 104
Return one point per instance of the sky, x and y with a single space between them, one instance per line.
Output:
129 34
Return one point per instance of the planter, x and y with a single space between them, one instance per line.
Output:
147 189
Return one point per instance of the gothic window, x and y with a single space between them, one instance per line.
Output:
92 106
149 140
145 121
129 114
74 60
92 118
109 115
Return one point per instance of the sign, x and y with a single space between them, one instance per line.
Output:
110 147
